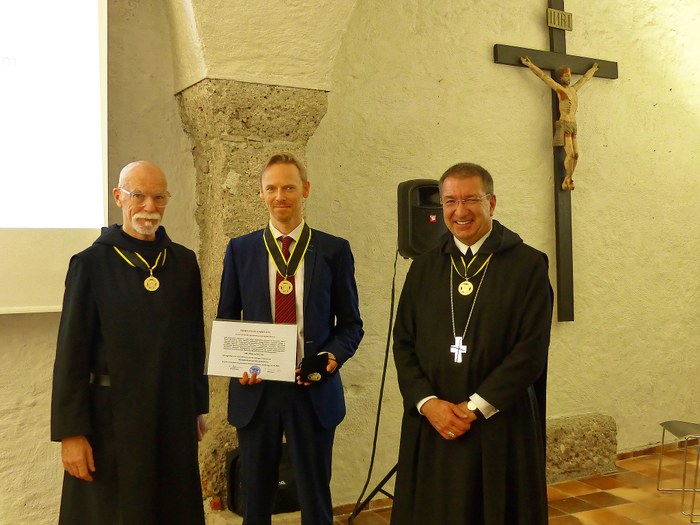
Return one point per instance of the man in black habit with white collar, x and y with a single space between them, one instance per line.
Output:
470 346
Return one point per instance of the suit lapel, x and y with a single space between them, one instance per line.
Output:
309 267
261 266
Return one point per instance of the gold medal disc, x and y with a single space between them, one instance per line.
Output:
465 288
285 287
151 284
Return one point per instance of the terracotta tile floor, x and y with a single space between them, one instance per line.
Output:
625 497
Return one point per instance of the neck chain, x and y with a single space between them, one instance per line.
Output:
471 311
151 283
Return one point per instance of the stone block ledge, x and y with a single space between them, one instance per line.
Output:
580 446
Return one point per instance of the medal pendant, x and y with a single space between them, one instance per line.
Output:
285 287
151 284
465 288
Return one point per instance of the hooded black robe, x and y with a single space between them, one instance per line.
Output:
495 473
151 345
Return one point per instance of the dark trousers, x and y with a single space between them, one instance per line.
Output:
286 409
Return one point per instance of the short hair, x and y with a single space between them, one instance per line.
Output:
285 158
465 170
559 72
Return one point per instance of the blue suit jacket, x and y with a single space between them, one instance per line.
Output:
331 314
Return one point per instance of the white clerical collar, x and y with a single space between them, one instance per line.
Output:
474 247
294 234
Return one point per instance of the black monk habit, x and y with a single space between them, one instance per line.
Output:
495 473
151 344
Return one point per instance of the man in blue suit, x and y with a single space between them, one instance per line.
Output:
315 289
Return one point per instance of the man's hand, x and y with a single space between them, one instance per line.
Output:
330 368
447 419
76 454
332 363
297 373
463 407
201 427
249 380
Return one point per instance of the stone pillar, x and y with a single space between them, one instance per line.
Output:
234 127
579 446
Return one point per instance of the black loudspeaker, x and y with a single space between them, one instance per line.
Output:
420 216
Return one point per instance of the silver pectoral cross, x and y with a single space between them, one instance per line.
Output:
458 349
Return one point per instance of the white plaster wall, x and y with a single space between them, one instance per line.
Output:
190 66
144 119
30 465
415 90
264 41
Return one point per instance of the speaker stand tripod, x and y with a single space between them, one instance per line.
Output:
378 488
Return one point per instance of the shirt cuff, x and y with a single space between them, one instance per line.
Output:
486 408
423 401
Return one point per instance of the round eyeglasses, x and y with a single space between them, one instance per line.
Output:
160 200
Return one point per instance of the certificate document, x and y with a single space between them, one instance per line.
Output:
267 349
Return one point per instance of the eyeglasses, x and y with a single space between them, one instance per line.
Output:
160 200
469 201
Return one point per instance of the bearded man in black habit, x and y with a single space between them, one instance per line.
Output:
129 388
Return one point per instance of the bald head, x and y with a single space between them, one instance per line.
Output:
142 185
139 169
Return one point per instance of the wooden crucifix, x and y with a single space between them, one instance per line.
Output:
558 21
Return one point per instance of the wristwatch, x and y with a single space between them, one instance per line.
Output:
472 406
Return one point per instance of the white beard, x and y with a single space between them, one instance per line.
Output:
149 228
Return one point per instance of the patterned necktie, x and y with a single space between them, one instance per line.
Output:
285 305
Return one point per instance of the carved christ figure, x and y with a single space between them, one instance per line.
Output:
565 127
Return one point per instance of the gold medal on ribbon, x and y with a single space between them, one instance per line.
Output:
285 287
151 284
465 288
287 268
137 261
